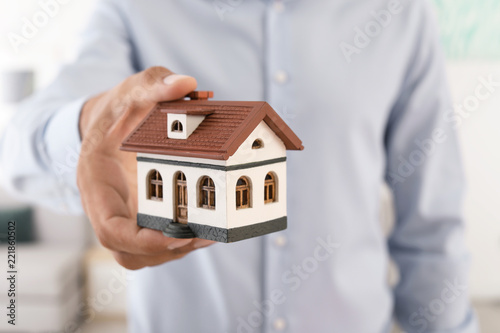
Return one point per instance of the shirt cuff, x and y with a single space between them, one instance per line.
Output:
63 143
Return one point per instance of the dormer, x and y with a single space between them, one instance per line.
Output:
182 123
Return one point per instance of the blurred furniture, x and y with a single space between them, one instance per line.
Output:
49 289
479 134
15 85
50 270
24 224
50 246
106 285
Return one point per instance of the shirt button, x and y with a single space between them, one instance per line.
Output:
281 77
279 324
279 6
280 241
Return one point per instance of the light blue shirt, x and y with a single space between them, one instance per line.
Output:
362 83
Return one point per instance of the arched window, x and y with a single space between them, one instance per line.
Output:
243 193
270 188
155 186
207 193
257 144
177 126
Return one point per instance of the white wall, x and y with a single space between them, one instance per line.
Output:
52 44
259 212
273 147
165 208
225 214
480 136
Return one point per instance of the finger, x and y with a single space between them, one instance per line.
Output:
157 84
201 243
107 199
136 261
121 233
153 242
139 93
116 227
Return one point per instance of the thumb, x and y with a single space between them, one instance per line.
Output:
155 84
138 94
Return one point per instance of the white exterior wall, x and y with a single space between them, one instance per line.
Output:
273 147
165 208
258 212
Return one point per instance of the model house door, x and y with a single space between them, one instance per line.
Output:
181 198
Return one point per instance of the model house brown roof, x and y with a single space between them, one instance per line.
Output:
219 135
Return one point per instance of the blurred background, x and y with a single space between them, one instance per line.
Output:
67 276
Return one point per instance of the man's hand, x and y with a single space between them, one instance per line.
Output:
107 176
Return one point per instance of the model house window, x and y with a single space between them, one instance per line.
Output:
155 186
177 126
207 193
270 188
257 144
243 193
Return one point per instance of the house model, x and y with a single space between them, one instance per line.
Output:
212 169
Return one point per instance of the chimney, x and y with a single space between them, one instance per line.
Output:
200 95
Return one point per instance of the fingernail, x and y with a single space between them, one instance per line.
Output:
171 79
179 243
202 243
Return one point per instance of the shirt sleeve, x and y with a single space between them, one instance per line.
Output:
40 147
425 172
